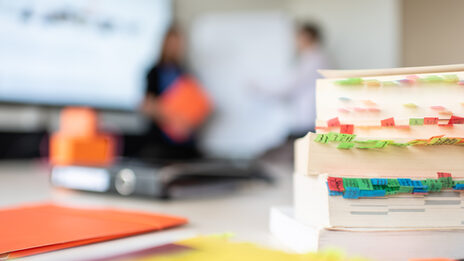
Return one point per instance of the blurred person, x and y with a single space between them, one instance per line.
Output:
178 140
299 90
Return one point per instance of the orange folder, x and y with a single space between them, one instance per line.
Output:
34 229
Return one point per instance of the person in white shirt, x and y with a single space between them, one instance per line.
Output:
299 89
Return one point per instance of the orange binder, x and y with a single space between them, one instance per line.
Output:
34 229
184 106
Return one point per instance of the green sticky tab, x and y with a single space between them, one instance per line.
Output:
343 137
333 136
391 190
350 183
350 81
382 144
433 185
446 182
431 79
393 183
365 184
322 138
418 142
389 83
405 189
450 78
399 144
366 144
416 121
345 145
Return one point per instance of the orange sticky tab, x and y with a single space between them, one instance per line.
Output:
390 122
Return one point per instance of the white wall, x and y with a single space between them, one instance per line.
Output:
358 33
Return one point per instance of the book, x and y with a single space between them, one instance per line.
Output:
387 151
381 244
315 207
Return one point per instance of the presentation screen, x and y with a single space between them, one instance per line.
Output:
79 52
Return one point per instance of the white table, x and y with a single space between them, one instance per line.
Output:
244 213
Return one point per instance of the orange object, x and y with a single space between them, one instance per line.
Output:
35 229
184 106
78 141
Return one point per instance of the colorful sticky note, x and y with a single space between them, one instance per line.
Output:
443 175
431 79
345 145
369 103
410 105
373 109
347 128
387 122
456 120
430 120
389 83
333 122
359 109
350 81
322 138
372 83
365 184
437 108
450 78
416 121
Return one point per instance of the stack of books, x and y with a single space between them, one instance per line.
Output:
383 176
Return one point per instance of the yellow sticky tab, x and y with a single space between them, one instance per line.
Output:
410 105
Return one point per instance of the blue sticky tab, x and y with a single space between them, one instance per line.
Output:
417 184
459 187
379 181
419 191
351 193
335 193
379 193
405 182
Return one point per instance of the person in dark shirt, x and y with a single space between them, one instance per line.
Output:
157 144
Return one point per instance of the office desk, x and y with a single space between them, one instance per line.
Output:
244 213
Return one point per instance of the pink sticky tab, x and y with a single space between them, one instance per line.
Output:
390 122
374 109
333 122
437 108
359 109
343 110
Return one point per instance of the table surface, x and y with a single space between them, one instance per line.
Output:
244 213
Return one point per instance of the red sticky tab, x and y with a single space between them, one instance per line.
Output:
347 128
456 120
430 121
333 122
444 175
390 122
335 184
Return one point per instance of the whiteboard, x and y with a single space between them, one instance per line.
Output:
229 52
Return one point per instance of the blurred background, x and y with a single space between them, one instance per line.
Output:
249 57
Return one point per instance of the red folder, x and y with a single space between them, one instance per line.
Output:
34 229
